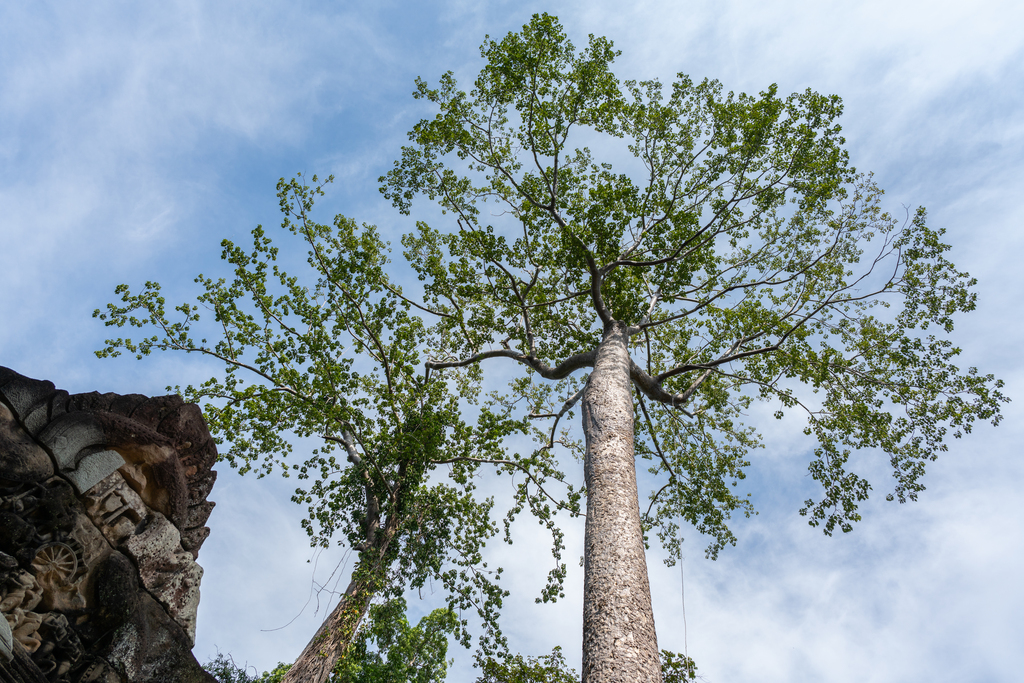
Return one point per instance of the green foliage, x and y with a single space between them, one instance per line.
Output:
747 258
515 668
333 353
223 668
677 668
519 669
386 650
389 650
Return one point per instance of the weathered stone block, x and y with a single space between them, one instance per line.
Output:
152 647
21 458
115 508
69 435
192 539
23 395
6 641
102 514
93 468
198 514
168 571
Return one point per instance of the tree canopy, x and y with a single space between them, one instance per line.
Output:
655 257
730 254
333 354
748 259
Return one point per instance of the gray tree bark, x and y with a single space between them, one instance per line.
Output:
333 637
619 641
332 640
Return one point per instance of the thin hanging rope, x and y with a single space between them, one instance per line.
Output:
682 594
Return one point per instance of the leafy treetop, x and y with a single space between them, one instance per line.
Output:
745 256
332 353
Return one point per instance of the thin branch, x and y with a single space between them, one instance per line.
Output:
654 499
574 295
404 298
516 465
566 407
561 371
654 439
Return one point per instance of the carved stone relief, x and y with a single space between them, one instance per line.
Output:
102 514
167 571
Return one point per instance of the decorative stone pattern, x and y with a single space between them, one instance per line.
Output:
103 511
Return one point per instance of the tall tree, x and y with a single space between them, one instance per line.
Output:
333 354
733 256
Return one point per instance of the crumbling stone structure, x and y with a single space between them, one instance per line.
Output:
102 513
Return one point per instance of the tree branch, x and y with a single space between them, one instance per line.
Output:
561 371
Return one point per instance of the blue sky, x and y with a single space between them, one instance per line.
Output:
134 137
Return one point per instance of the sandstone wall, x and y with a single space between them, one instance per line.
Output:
103 510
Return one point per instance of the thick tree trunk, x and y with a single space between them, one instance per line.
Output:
619 642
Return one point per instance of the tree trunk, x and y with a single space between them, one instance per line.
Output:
619 641
335 635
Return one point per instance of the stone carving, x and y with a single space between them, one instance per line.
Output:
168 572
115 508
102 514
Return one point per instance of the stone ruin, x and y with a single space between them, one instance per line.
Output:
102 513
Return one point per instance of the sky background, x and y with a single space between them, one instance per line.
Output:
135 136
